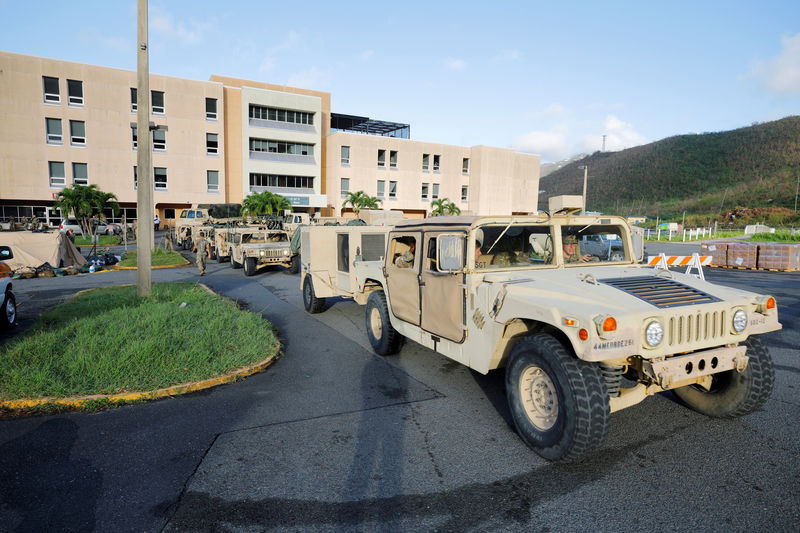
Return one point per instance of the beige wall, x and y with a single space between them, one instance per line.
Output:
500 181
106 111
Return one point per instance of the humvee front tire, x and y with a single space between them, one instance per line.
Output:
559 403
733 393
294 266
312 304
249 266
385 340
234 264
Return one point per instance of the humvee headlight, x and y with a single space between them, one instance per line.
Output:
263 253
286 252
739 320
654 333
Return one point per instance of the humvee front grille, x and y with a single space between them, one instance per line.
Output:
697 327
660 292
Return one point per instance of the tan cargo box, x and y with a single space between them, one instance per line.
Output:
779 256
742 255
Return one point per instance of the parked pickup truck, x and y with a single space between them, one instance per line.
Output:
579 339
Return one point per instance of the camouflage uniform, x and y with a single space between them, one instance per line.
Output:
200 259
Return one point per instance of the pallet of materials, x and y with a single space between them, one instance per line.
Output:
779 256
718 252
742 255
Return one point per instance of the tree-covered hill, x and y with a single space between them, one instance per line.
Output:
755 166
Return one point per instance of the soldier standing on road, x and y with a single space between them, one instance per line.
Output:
168 240
201 247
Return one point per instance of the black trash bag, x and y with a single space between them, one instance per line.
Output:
43 268
109 259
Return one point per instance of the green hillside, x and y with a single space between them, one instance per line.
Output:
706 174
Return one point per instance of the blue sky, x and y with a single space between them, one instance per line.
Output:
543 77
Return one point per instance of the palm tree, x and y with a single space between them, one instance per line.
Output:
86 202
360 200
443 206
265 203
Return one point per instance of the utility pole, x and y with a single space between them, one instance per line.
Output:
144 172
585 175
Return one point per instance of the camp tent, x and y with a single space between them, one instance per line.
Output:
33 249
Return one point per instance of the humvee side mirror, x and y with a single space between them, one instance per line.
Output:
450 252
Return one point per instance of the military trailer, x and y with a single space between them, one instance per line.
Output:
254 247
327 256
581 336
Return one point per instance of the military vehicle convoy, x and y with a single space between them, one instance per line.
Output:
580 335
206 218
253 247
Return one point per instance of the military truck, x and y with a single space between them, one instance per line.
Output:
206 218
580 336
253 247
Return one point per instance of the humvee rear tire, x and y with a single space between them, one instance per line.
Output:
559 403
312 304
294 266
220 258
249 266
234 264
733 393
8 317
385 340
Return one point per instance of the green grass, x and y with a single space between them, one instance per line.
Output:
778 236
102 240
159 257
107 341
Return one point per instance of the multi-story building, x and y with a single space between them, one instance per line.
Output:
64 123
410 175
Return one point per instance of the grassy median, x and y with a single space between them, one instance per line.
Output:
158 257
108 341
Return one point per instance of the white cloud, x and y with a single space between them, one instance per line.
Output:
366 55
554 110
505 56
619 135
455 64
781 74
551 145
189 32
311 78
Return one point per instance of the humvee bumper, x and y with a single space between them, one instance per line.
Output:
676 371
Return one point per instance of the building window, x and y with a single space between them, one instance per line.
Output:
425 162
345 186
281 115
424 191
160 179
80 174
211 109
436 163
157 102
278 180
169 213
57 176
392 189
135 178
381 158
77 132
212 180
54 133
212 144
393 159
134 101
381 186
435 193
75 92
134 137
51 92
280 147
345 155
464 193
159 141
465 165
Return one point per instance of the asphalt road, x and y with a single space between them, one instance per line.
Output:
334 438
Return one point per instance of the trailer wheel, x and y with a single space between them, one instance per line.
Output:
312 304
8 318
294 265
249 266
734 394
559 403
385 340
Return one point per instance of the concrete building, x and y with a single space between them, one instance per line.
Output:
274 141
64 123
409 175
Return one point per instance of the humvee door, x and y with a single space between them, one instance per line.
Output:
402 267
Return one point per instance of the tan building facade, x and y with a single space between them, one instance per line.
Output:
409 175
64 123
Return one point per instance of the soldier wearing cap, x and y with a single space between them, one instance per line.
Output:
572 253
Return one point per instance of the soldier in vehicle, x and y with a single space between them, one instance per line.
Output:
572 253
203 250
407 259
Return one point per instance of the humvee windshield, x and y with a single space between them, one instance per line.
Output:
517 245
595 243
264 237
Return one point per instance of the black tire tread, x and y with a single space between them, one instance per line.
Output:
391 339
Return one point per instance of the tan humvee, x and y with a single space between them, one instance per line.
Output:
580 335
252 247
206 218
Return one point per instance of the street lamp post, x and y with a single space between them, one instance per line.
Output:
585 175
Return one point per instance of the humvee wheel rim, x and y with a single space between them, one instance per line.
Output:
375 323
539 397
